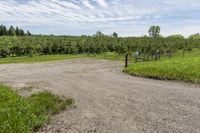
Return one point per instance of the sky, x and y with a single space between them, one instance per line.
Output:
126 17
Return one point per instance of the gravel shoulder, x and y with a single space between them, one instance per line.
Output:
107 100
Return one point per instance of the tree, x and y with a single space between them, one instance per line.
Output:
154 31
28 33
3 30
11 31
99 34
17 31
115 34
21 32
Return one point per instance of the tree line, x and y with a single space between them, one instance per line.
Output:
147 46
12 31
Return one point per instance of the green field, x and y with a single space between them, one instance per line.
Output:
18 114
177 68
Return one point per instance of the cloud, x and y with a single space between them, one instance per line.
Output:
87 4
102 3
129 17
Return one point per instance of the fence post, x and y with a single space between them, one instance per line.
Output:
126 61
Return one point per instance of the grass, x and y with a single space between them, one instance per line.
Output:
18 114
177 68
42 58
46 58
109 56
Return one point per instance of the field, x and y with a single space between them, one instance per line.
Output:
178 68
18 114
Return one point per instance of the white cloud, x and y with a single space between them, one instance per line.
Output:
87 4
126 16
102 3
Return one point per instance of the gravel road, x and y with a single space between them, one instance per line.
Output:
107 100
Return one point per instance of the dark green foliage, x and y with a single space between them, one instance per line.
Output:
3 30
147 46
12 31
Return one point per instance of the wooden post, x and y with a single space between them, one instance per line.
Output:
126 61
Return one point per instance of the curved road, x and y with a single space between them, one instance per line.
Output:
107 100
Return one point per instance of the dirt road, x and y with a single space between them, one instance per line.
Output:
107 100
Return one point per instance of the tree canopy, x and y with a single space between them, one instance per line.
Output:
154 31
11 31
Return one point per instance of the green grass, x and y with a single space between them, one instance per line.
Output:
109 56
46 58
42 58
18 114
177 68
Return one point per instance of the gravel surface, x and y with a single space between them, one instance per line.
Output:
107 100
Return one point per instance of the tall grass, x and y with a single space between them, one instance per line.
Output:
178 68
36 58
18 114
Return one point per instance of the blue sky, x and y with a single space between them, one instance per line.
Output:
126 17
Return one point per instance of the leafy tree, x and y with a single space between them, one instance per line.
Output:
99 34
115 34
154 31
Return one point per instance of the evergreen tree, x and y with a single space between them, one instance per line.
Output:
21 32
17 31
3 30
11 31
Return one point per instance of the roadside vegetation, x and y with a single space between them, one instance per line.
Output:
38 58
19 114
180 68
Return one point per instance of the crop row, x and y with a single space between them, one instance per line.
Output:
37 45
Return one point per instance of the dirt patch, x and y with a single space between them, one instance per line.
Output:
107 100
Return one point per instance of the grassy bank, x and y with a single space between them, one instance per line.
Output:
42 58
178 68
45 58
18 114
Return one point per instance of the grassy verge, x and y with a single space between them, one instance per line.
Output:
109 56
18 114
45 58
178 68
42 58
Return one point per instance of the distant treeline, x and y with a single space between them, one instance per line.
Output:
12 31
